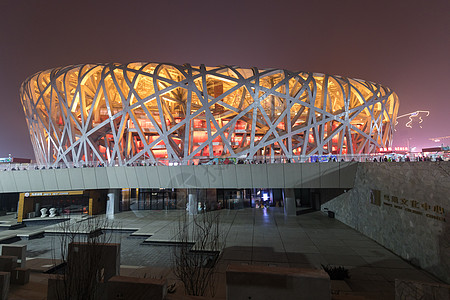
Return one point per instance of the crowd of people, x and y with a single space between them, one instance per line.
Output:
230 161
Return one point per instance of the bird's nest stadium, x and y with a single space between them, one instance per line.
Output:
159 112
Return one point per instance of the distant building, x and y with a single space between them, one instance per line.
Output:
16 160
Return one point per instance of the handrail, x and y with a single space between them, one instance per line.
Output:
203 160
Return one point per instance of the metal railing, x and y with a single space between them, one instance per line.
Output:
202 160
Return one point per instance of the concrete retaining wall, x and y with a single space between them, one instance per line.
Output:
404 207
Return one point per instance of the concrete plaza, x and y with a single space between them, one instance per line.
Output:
253 237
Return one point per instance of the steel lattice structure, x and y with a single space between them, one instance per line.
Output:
121 113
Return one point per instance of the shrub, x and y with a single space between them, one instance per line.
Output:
336 272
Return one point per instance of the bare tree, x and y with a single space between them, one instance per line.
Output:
82 245
195 260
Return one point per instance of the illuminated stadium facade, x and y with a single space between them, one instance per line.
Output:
125 113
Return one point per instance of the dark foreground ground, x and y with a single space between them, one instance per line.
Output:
253 237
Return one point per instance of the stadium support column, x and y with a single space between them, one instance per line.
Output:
112 203
193 203
290 208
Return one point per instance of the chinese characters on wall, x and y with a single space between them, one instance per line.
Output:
422 208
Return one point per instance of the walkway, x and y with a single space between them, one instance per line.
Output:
267 237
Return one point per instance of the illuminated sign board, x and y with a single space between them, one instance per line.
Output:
392 149
40 194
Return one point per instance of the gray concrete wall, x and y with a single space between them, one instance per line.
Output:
289 175
404 207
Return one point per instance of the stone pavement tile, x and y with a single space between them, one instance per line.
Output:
288 224
293 235
337 250
365 273
351 236
331 223
292 238
301 248
239 248
320 233
341 231
292 231
381 262
289 228
374 277
240 229
313 259
308 226
266 239
347 234
235 243
241 220
298 242
263 223
298 229
344 260
304 243
268 232
328 242
360 270
244 236
262 255
379 252
361 243
238 236
267 243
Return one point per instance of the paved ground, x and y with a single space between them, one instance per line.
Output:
253 236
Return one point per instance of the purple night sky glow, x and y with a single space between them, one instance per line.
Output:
404 45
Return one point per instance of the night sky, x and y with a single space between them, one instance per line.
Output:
404 45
